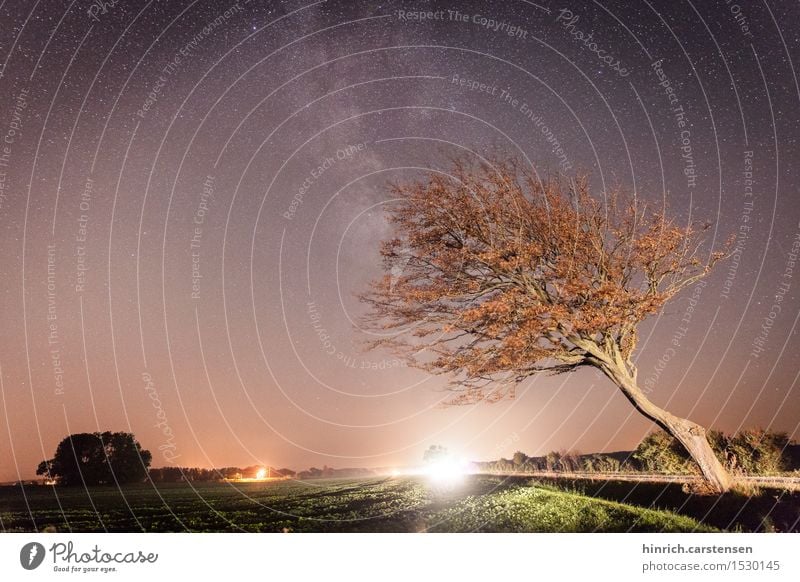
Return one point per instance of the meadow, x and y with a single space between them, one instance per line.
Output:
479 503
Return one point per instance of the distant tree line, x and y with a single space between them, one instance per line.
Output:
178 474
329 472
108 458
751 452
563 460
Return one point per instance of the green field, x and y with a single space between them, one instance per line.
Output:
406 504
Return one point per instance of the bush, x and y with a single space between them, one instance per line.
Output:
660 452
758 452
601 463
752 451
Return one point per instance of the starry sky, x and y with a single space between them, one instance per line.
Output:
192 193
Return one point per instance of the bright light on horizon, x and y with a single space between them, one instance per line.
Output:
261 473
448 471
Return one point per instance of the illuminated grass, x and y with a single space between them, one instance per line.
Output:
407 504
533 509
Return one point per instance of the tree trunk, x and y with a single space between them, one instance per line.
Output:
691 435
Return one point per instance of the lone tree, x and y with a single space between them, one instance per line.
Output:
435 453
97 459
494 275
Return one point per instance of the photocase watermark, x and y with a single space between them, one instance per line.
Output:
4 186
675 341
98 8
152 96
168 448
739 17
681 122
474 85
743 234
785 283
31 555
346 153
524 109
182 56
198 221
347 360
455 16
53 338
67 558
81 266
570 23
12 132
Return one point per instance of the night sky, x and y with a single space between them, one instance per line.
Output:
192 194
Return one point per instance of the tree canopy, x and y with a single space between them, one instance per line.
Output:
503 274
97 459
494 275
435 453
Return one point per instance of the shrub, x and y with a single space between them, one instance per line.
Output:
752 451
520 458
660 452
601 463
758 452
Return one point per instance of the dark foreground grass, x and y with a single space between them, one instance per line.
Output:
480 503
770 510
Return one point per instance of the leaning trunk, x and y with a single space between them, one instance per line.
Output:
691 435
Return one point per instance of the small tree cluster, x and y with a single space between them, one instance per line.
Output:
563 460
599 463
660 452
97 459
758 452
435 453
752 451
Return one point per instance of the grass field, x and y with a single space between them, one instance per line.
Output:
406 504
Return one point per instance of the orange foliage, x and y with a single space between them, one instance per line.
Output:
499 275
